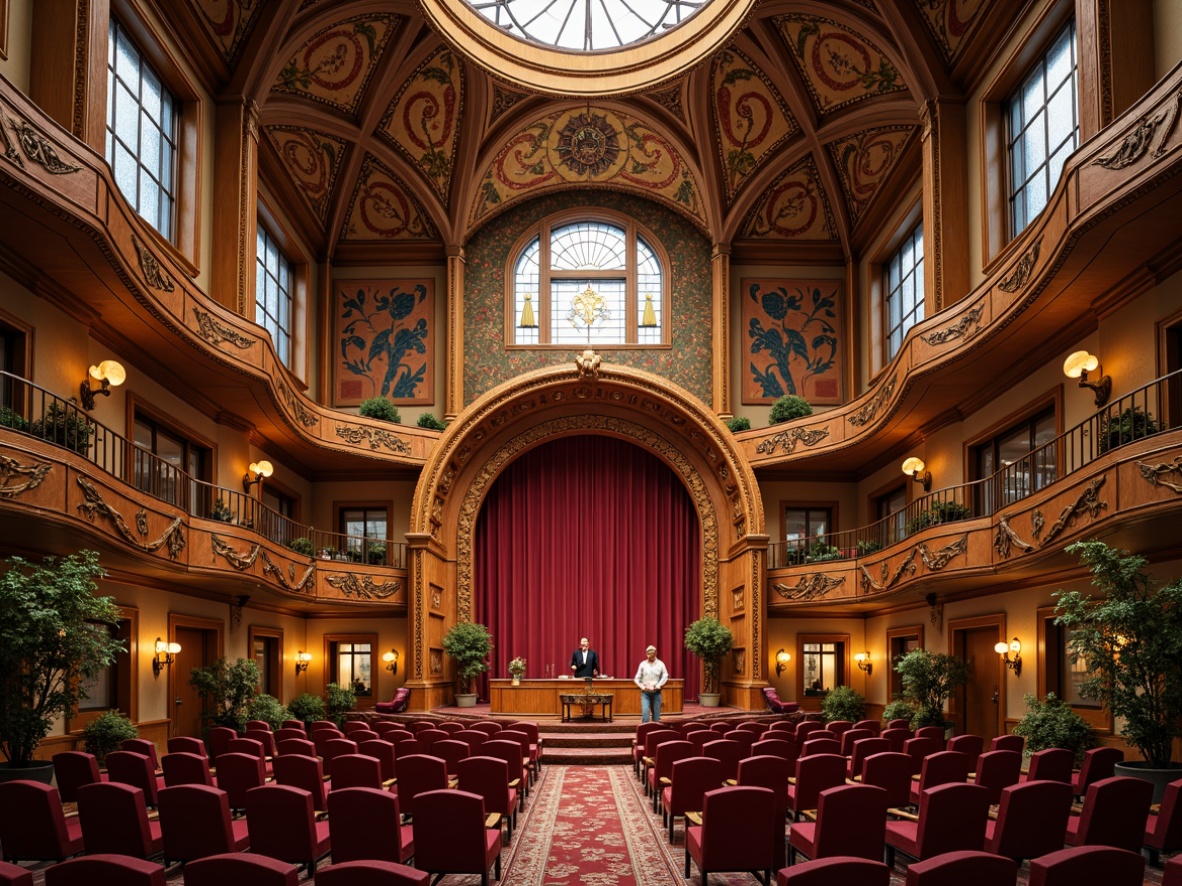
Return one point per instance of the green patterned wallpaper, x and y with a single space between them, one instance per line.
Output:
487 362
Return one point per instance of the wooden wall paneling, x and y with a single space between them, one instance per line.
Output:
68 65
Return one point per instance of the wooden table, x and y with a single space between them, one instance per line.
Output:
538 697
587 703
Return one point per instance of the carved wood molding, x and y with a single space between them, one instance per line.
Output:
933 560
1005 539
215 333
240 560
1088 500
306 584
363 587
10 469
866 414
37 147
966 327
788 440
375 437
1157 125
150 266
1020 275
809 587
1154 474
94 505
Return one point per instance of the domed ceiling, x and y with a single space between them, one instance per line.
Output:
383 142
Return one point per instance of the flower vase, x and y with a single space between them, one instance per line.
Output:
516 681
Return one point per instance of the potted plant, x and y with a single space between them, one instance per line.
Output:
936 513
929 678
53 640
739 423
469 644
709 640
221 511
306 707
302 546
376 553
66 426
379 408
1130 641
843 703
1052 724
899 709
107 733
429 421
268 709
229 689
12 419
517 669
1125 427
788 407
338 701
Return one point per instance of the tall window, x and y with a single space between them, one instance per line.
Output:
167 465
891 509
904 289
584 282
366 528
351 664
1043 128
141 132
802 523
272 293
1019 461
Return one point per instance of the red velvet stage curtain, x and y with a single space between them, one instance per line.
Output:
588 536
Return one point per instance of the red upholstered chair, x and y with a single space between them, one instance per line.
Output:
115 820
754 726
875 726
510 751
241 869
897 737
1088 864
1163 830
1051 764
813 775
383 752
14 875
336 747
1173 872
428 737
71 770
365 823
217 739
489 777
356 771
352 726
804 727
451 727
997 770
251 746
722 727
186 744
918 748
898 723
422 725
699 739
668 753
237 774
105 868
32 824
942 767
1115 811
523 739
838 728
142 746
397 704
831 871
321 737
473 738
774 747
295 746
745 739
361 735
771 773
1098 764
299 771
181 767
951 818
963 869
820 746
407 746
638 742
783 726
317 725
420 773
689 780
1007 743
135 769
727 752
488 727
968 744
851 820
288 732
863 748
736 834
450 835
294 724
371 873
850 736
265 737
935 733
282 825
451 752
1031 819
195 821
384 730
890 771
258 725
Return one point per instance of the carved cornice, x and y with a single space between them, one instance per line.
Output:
363 587
375 437
10 469
215 333
94 504
809 587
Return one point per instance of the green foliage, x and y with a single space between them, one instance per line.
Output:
66 426
739 423
866 547
338 701
54 638
379 408
376 554
1131 424
843 703
221 511
229 689
429 421
470 645
267 708
788 407
106 733
1130 640
819 551
302 546
936 513
1052 724
899 709
928 679
709 640
306 707
14 420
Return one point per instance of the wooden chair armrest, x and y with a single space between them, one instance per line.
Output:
1155 809
1076 808
915 778
731 782
972 776
857 779
808 814
791 779
492 820
647 761
320 814
453 783
902 813
664 780
515 783
694 818
325 777
388 782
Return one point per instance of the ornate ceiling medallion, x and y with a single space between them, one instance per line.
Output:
588 145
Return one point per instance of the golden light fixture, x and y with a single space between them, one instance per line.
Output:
862 659
1004 649
917 471
261 471
391 660
528 321
302 658
782 659
1078 365
109 373
165 655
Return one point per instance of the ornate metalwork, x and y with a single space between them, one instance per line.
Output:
1153 474
303 415
1021 273
809 587
39 149
215 333
173 535
789 439
363 587
10 469
1134 145
866 414
375 437
1006 538
1088 500
304 585
150 266
966 327
240 560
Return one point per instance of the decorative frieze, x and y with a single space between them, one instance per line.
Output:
933 560
26 477
363 587
1006 538
37 147
173 535
1154 474
1020 275
809 587
1158 125
966 327
788 440
240 560
306 584
866 414
150 267
215 333
375 437
1088 500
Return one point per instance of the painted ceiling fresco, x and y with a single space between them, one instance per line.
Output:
313 160
336 64
949 22
864 160
383 208
230 22
795 207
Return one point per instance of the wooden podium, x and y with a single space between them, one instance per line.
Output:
540 698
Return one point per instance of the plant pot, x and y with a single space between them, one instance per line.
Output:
516 681
1159 778
709 699
465 699
38 770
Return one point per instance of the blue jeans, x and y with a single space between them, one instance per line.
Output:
650 702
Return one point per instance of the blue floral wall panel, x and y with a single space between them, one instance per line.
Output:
384 346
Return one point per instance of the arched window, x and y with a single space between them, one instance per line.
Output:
600 281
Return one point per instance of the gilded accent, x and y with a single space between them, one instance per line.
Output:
789 439
11 468
587 364
866 414
1134 145
240 560
1021 273
966 327
419 610
303 415
215 333
363 587
173 535
156 276
1088 499
306 584
503 100
1153 474
757 579
375 437
809 587
1006 537
39 149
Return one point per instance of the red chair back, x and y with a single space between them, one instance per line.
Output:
195 820
968 744
1163 832
265 738
770 772
383 752
951 818
255 870
142 746
744 738
918 748
1088 864
839 869
488 777
864 748
851 821
115 820
186 744
451 727
488 727
899 723
1007 743
295 724
820 746
804 727
282 826
131 768
356 771
1051 764
737 832
774 747
935 733
450 836
365 823
897 737
258 726
451 752
306 773
333 748
371 873
838 728
890 771
690 779
1098 764
32 825
997 770
103 868
875 726
71 770
813 775
237 774
963 869
352 726
217 739
420 773
727 752
1115 811
1031 819
183 768
473 738
299 746
251 746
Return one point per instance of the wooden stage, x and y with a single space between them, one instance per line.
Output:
540 698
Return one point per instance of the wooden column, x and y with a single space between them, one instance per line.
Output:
1115 45
235 204
68 66
720 266
945 196
455 333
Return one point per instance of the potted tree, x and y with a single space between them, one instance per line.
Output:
53 640
338 701
1051 723
709 640
1130 641
470 645
843 703
107 733
230 688
929 678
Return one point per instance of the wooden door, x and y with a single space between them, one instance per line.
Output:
981 695
197 646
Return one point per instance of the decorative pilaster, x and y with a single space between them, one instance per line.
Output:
455 333
945 194
235 202
68 65
720 267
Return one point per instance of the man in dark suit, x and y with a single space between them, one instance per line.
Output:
584 662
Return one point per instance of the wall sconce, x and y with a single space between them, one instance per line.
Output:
917 471
1078 365
782 659
391 660
864 663
1003 649
528 321
302 659
165 655
110 373
261 470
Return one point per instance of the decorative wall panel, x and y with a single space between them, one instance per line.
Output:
863 161
791 336
384 344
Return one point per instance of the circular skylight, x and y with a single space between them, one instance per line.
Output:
586 25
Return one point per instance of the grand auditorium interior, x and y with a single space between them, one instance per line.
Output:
333 325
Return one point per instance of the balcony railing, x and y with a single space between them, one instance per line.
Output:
1149 410
32 410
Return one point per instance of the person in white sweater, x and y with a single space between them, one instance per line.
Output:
650 677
